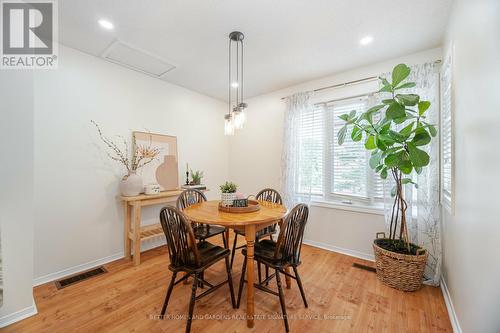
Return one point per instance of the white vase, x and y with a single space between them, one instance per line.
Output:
131 185
227 198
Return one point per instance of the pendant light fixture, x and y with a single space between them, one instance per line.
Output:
235 119
228 124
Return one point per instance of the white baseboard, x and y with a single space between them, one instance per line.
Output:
449 306
18 315
348 252
92 264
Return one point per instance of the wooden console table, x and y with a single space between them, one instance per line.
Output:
135 233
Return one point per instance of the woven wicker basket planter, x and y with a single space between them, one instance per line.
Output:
401 271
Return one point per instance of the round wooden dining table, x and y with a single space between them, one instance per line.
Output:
208 213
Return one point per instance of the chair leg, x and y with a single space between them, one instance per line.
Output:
267 275
282 300
191 303
200 282
169 292
242 281
224 241
230 281
234 249
299 282
260 274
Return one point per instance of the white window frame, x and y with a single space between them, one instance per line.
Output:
338 200
341 198
447 194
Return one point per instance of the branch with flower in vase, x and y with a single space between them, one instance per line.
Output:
131 184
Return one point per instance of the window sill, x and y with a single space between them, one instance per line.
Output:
367 209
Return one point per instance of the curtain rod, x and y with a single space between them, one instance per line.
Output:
346 98
345 84
354 82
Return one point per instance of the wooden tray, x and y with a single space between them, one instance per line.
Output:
253 206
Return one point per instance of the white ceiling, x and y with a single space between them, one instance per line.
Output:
286 41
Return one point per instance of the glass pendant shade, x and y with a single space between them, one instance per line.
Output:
242 106
239 119
228 125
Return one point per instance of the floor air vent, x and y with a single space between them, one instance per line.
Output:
366 268
63 283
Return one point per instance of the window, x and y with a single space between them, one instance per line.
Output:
331 171
311 142
446 136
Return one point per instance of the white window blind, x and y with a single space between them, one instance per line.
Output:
446 135
327 169
311 142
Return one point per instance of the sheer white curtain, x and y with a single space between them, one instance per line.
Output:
424 208
297 105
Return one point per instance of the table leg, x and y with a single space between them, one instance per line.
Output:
250 238
126 230
137 234
227 238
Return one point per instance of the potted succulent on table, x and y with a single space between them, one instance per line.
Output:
395 132
131 184
228 190
196 177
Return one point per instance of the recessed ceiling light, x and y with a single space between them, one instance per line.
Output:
366 40
106 24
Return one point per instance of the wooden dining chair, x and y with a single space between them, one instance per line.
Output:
280 255
267 194
201 231
187 255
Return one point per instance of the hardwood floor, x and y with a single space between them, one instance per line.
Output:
341 299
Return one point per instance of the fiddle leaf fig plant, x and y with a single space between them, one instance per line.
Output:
395 132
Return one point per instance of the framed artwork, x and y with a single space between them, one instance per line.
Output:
164 169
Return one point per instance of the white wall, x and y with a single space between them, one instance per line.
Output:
78 219
16 194
471 247
255 156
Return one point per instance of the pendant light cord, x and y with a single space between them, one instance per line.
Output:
229 83
237 73
241 71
